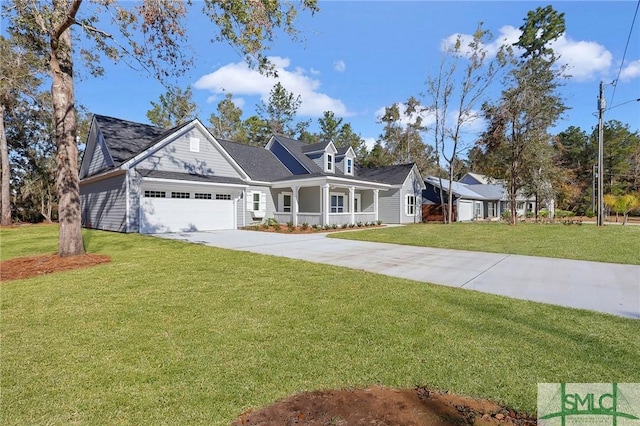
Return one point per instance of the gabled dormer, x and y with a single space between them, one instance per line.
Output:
323 154
346 160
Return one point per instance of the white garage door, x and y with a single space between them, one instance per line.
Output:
159 215
465 210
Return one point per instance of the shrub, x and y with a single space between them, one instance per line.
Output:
506 215
345 225
290 224
379 222
276 226
560 214
305 226
352 225
359 224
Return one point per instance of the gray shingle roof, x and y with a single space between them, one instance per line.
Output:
126 139
393 175
259 163
320 146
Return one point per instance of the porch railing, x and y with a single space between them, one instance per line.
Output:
316 218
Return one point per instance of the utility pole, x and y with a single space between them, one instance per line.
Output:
593 189
601 107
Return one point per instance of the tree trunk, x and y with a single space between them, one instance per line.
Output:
67 181
6 173
450 195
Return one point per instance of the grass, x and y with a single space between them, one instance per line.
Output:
614 244
177 333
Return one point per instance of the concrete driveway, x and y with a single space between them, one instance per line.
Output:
603 287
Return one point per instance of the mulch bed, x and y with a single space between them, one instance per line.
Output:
26 267
383 406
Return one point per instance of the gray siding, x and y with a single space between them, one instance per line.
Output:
96 157
392 203
100 159
103 204
389 206
177 157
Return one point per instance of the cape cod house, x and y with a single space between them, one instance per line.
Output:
140 178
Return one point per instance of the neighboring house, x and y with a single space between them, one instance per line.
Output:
476 197
140 178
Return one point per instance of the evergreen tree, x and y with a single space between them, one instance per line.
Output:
175 107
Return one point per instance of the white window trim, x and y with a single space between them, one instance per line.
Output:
329 162
348 163
262 203
344 206
407 205
281 206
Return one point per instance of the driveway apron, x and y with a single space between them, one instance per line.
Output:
603 287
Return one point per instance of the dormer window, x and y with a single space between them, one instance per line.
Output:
329 166
348 168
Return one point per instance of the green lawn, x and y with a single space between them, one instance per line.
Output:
612 243
176 333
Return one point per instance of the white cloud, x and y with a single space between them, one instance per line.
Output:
339 66
239 79
507 36
369 143
631 71
585 59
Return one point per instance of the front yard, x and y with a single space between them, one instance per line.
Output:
177 333
612 243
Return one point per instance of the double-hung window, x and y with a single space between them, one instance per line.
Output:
337 203
410 208
349 166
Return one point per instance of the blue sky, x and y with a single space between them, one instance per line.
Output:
355 58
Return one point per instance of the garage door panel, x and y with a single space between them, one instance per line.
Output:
465 210
159 215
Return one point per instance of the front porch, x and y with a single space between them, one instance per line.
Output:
330 202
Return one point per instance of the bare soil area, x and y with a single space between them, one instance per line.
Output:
382 406
26 267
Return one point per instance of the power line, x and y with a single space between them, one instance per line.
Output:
624 55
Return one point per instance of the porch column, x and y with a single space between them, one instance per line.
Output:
352 193
375 203
325 204
294 205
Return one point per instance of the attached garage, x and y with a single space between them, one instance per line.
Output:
186 210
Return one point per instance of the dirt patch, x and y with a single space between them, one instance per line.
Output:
382 406
26 267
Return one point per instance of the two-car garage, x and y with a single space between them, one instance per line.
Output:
186 209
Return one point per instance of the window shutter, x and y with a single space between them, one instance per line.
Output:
249 200
263 202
